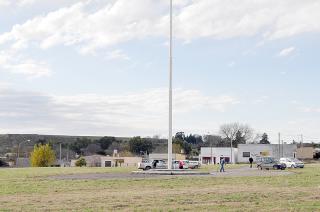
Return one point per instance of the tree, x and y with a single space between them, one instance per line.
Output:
215 141
81 162
232 130
194 139
137 145
180 135
80 144
105 142
42 156
264 139
239 139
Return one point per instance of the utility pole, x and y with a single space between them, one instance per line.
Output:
282 149
170 94
60 152
68 153
231 151
279 149
211 154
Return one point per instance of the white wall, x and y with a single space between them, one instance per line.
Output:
258 150
216 153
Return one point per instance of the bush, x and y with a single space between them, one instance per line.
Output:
42 156
81 162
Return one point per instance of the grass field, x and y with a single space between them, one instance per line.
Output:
31 190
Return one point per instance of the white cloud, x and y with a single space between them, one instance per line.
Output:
287 51
310 109
129 114
261 100
16 63
4 3
91 27
20 3
117 55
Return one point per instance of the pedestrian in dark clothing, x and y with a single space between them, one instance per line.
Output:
251 161
222 162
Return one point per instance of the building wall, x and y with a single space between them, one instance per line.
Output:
92 161
212 155
164 156
121 161
245 151
305 153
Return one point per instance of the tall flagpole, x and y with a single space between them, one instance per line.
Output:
170 94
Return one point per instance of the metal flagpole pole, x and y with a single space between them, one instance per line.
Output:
170 94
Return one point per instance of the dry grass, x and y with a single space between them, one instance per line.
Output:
31 190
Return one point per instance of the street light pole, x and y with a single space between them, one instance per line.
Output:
170 94
18 155
231 151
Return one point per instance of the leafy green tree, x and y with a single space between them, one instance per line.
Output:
264 139
106 142
80 144
239 139
42 156
215 141
138 145
81 162
180 135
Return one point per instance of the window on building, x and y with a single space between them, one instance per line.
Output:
246 154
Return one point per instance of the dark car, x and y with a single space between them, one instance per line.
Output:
3 164
270 163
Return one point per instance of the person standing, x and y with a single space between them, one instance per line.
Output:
222 163
251 161
181 164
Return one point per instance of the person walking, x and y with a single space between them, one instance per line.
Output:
251 161
222 163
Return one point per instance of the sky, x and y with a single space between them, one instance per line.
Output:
100 67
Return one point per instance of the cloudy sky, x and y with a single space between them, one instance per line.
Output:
100 67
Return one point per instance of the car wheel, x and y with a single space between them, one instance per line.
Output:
196 167
147 168
275 167
292 166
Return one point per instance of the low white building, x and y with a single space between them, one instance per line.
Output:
108 161
245 151
212 155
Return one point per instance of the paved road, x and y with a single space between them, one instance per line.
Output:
239 172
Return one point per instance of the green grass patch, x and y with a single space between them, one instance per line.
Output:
31 190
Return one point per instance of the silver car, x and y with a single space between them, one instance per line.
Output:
152 164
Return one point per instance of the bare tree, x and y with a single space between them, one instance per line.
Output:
235 131
229 131
246 132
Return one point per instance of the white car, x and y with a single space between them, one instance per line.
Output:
175 164
194 164
292 162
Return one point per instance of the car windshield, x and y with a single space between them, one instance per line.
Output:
295 160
